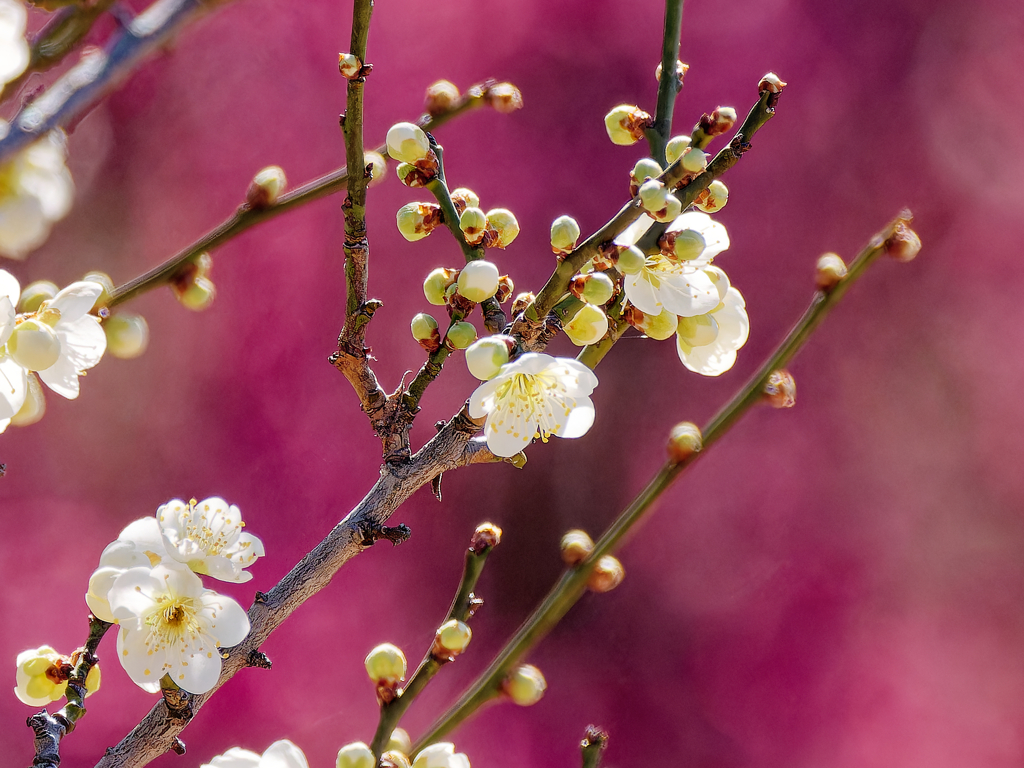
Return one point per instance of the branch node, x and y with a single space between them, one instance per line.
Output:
259 660
178 701
177 746
372 533
261 597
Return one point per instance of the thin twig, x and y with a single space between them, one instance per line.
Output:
669 84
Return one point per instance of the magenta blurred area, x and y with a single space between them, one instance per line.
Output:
838 585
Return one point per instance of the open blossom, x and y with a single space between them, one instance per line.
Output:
14 53
535 395
441 755
207 537
40 679
35 191
280 754
139 544
707 344
171 625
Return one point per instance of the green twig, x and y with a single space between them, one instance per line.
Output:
571 585
668 86
593 745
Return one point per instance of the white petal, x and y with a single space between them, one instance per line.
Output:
62 378
9 287
236 757
134 593
481 402
631 234
100 582
580 419
733 323
508 440
711 360
7 316
76 300
689 294
283 754
145 533
197 672
82 341
642 294
142 668
4 424
179 581
13 387
229 622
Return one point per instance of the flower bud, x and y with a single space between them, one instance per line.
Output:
505 288
127 335
196 294
486 537
266 187
464 198
505 224
356 755
904 244
386 664
478 280
682 245
417 220
525 685
630 261
596 288
588 326
675 148
522 301
780 389
399 741
424 330
34 345
693 160
713 198
681 70
407 142
504 98
436 284
829 271
626 124
452 638
684 440
576 547
658 327
39 676
485 357
771 83
394 758
473 223
377 165
35 294
103 279
608 573
564 234
202 263
412 175
34 407
659 202
645 168
440 97
349 65
715 124
460 335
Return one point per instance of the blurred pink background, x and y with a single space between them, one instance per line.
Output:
837 585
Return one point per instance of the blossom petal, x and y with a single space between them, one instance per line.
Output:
283 754
134 593
141 667
199 672
9 287
632 234
7 316
642 294
82 341
481 401
76 300
13 387
145 534
62 378
579 419
689 294
508 439
236 757
229 622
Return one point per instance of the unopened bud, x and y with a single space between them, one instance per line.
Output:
525 685
829 271
394 758
522 301
564 234
349 65
377 165
486 537
386 664
608 573
127 335
34 345
414 176
718 122
451 639
196 294
505 224
424 330
437 283
780 389
626 124
34 407
904 244
35 294
464 198
504 98
473 223
485 357
266 187
693 160
659 202
478 280
713 198
202 264
505 289
681 70
399 741
682 244
596 288
407 142
658 327
460 335
645 169
588 326
440 97
675 148
417 220
630 261
684 441
771 83
356 755
576 547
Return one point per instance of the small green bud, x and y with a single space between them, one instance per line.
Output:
608 573
436 284
197 294
386 664
684 440
505 224
399 741
630 261
683 245
356 755
626 124
525 685
34 407
266 187
576 547
658 327
35 294
460 335
417 220
424 330
645 168
712 199
440 97
127 335
473 223
588 326
698 331
452 638
829 271
464 198
377 165
349 65
693 160
407 142
34 345
675 148
478 280
598 289
564 234
485 357
505 98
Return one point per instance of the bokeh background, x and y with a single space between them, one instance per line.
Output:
841 584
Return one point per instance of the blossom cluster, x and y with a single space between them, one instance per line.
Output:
147 582
285 754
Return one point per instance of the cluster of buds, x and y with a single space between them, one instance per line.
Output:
192 285
461 288
410 146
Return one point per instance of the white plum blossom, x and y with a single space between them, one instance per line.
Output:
280 754
707 344
36 190
534 395
440 755
139 544
207 537
14 53
13 380
171 625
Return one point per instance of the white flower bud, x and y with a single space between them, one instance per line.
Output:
35 294
645 168
478 280
771 83
349 65
473 223
576 546
197 294
504 98
436 284
34 407
564 234
485 357
684 440
588 326
608 573
464 198
659 202
378 166
631 261
266 187
424 330
675 148
712 199
399 741
407 142
417 220
453 636
386 664
127 335
505 224
658 327
525 685
829 272
355 755
597 289
693 160
440 97
34 345
626 124
460 335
